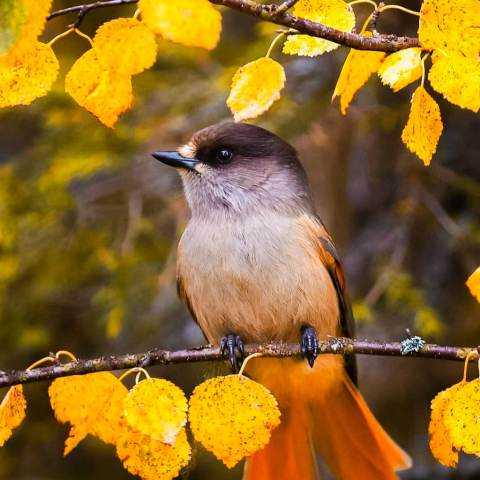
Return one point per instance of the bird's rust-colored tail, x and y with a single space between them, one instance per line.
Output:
325 418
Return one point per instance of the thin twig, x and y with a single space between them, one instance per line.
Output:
286 5
334 345
271 13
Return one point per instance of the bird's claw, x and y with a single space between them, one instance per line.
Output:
232 348
309 344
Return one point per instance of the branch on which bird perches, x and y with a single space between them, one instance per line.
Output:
412 347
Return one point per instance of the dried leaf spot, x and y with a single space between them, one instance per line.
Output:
98 89
333 13
457 78
125 45
12 412
194 23
424 127
27 73
401 68
473 283
152 459
357 69
91 404
157 408
255 87
232 416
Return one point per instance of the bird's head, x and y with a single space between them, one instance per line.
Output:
238 168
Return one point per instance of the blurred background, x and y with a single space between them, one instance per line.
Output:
89 224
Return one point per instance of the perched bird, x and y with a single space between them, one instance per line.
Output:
256 264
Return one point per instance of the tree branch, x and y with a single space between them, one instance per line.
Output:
275 14
334 345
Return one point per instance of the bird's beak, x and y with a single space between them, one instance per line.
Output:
174 159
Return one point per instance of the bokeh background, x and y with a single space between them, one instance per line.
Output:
89 224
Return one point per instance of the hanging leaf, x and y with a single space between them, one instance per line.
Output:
424 126
92 404
357 69
125 45
101 91
194 23
12 412
255 86
333 13
152 459
441 444
473 283
232 416
157 408
401 68
457 78
26 74
450 25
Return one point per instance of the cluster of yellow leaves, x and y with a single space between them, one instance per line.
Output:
232 416
455 424
333 13
12 412
473 283
255 86
28 67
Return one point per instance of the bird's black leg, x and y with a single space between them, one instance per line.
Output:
232 348
309 344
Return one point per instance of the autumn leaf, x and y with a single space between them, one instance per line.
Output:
457 78
441 444
461 417
152 459
98 89
333 13
473 283
157 408
450 25
125 45
91 404
12 412
26 74
232 416
255 86
424 126
357 69
194 23
401 68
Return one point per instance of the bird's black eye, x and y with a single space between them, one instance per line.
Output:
223 155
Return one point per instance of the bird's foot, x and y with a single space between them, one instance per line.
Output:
309 344
232 348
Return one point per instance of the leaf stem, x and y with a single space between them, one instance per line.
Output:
60 35
274 41
423 68
83 35
244 364
358 2
399 7
134 370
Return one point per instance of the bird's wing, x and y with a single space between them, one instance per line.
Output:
330 259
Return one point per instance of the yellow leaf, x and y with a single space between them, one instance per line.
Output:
232 416
401 68
255 86
194 23
441 444
152 459
125 45
26 74
424 126
92 404
450 25
457 78
357 69
101 91
157 408
473 283
12 412
461 417
333 13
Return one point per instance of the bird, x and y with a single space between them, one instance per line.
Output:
256 264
